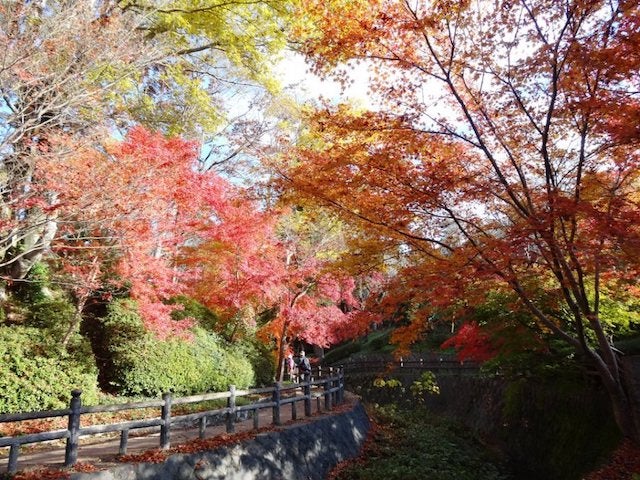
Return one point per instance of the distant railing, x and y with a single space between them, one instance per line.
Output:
441 366
327 385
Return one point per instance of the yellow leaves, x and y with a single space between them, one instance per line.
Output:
250 34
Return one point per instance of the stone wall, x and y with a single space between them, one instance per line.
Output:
298 452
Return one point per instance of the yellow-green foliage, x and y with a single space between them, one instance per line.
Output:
389 383
33 376
250 34
427 384
145 365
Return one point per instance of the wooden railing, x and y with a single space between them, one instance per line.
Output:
444 366
327 385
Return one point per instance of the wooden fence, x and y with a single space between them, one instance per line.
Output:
327 385
382 366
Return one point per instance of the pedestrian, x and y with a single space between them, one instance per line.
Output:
304 367
291 368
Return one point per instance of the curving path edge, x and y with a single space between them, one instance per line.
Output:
300 451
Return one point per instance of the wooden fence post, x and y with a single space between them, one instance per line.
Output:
341 383
256 418
202 427
231 405
124 440
165 428
307 398
71 451
14 451
327 393
276 401
333 384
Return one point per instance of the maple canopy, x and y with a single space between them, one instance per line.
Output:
125 214
271 273
500 150
88 69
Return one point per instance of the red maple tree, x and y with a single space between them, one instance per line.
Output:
502 148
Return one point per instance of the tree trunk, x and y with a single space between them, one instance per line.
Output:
76 321
34 244
282 348
621 395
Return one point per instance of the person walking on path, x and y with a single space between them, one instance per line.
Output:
291 368
304 367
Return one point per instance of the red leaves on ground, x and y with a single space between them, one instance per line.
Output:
42 474
54 474
194 446
150 456
26 427
369 449
624 464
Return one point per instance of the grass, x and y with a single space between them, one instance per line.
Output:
413 444
378 342
375 342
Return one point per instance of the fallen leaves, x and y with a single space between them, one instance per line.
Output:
624 464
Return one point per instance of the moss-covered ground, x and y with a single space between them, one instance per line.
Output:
413 444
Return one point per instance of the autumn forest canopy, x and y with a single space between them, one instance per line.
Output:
160 182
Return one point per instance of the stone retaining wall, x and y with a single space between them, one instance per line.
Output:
298 452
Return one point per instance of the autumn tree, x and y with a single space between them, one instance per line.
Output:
317 302
88 69
272 274
500 149
127 214
60 67
237 264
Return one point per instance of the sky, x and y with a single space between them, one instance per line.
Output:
296 77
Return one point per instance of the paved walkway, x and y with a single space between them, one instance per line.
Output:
102 451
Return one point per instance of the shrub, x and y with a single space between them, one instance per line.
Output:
261 359
53 315
341 352
426 385
35 377
205 317
145 365
412 444
37 285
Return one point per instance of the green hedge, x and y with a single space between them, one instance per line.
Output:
33 376
143 365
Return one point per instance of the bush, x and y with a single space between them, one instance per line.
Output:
205 317
33 376
261 359
412 444
341 352
144 365
38 282
54 315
